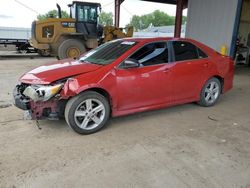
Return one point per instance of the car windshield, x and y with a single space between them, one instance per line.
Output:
108 52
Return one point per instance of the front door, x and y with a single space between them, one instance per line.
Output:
148 84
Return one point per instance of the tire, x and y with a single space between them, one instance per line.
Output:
80 113
210 92
71 48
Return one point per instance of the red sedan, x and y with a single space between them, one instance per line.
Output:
124 77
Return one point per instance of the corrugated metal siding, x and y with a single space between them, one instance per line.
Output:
212 22
15 33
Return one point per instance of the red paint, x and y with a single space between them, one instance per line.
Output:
143 88
57 70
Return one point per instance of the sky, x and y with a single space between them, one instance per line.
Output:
21 13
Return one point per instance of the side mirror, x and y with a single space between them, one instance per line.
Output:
130 63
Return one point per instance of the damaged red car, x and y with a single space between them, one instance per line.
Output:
124 77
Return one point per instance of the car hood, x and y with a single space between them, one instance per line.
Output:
54 71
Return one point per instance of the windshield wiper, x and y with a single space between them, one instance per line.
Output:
96 63
86 61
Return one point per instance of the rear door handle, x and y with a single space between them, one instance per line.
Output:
205 64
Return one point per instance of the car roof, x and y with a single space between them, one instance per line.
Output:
152 39
141 39
156 39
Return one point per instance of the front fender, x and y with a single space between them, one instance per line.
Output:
72 88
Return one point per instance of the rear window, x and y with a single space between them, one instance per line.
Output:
201 54
184 51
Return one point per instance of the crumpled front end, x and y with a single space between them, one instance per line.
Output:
39 102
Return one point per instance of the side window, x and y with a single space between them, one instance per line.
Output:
184 51
151 54
201 54
87 13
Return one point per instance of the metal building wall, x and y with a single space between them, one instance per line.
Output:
212 22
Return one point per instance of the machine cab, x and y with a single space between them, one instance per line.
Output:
86 16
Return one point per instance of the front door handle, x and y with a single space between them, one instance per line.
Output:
205 64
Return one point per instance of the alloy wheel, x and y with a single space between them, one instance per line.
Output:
89 114
212 92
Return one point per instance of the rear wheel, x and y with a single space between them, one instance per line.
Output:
210 92
87 113
71 48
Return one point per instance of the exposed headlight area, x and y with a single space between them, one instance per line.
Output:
42 92
40 101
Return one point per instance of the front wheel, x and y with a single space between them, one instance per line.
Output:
210 92
87 113
71 48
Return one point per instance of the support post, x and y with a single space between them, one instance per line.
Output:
178 18
117 12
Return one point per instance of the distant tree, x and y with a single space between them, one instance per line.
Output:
161 19
52 13
136 23
106 18
184 19
156 18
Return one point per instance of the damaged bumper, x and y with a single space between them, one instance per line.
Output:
51 109
20 101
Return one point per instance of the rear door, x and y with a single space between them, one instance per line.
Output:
189 70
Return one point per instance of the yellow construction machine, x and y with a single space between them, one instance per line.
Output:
71 37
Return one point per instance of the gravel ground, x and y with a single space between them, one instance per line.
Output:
182 146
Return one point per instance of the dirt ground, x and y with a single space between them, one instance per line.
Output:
182 146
